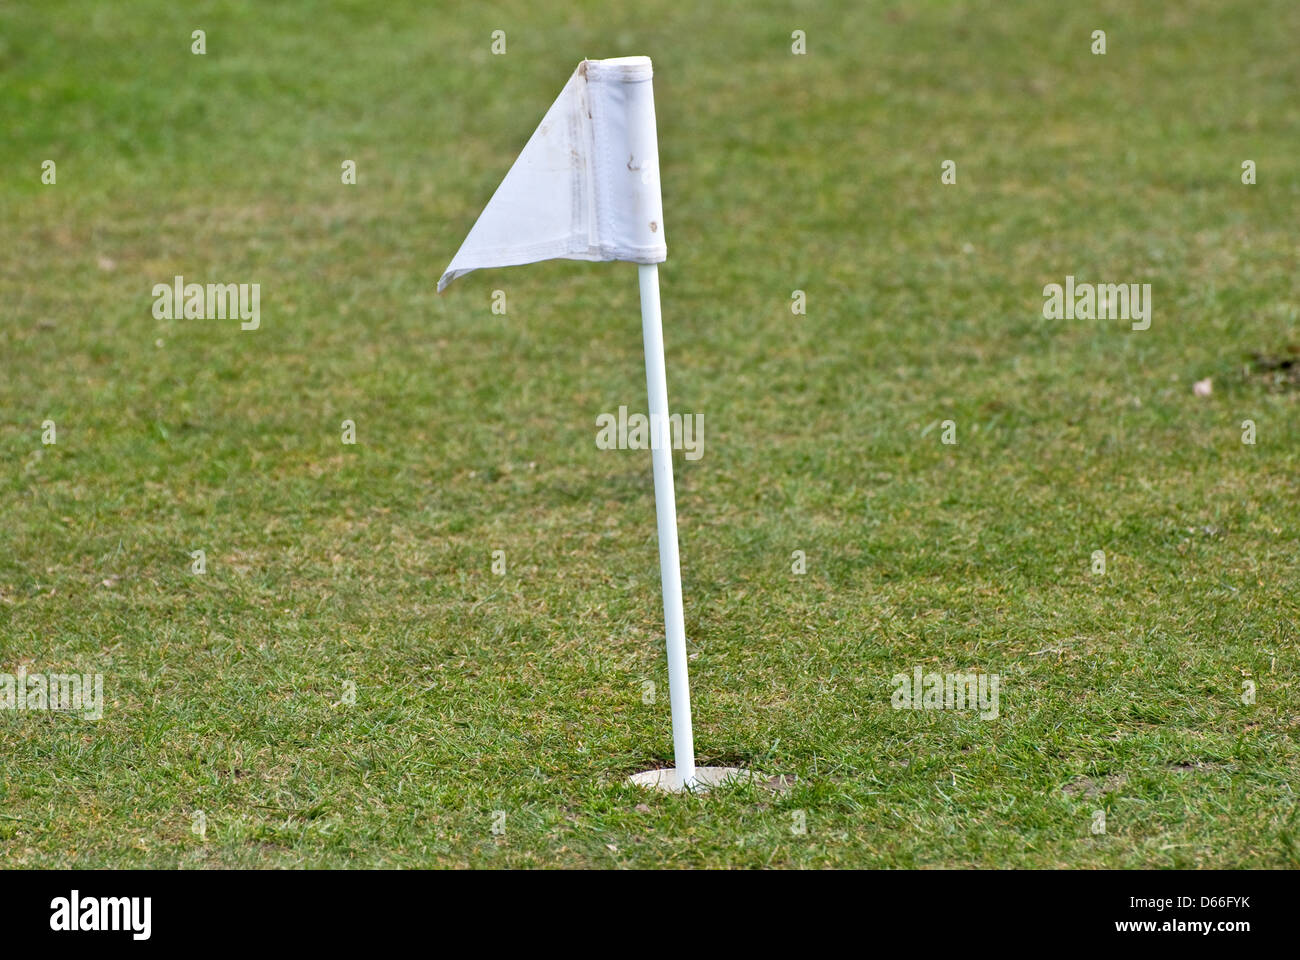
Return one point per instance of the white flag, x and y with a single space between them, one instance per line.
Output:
586 186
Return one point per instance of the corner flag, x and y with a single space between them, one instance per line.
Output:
586 187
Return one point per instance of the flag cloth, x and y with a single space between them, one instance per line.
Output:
586 186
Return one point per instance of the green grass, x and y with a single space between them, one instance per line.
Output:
371 564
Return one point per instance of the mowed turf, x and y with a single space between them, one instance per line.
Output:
364 572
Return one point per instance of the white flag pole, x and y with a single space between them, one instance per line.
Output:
679 688
586 187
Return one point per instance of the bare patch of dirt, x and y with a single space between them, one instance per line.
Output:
1277 372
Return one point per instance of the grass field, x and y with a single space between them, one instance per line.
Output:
330 565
